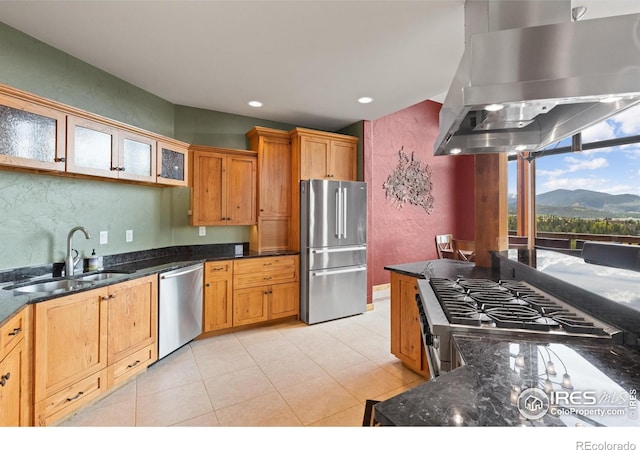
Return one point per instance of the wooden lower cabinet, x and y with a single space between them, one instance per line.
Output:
85 343
265 289
218 296
250 305
132 334
406 338
15 371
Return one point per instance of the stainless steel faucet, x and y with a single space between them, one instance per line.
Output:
70 261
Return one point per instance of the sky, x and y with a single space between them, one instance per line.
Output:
614 170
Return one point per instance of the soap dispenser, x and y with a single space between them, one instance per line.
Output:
93 262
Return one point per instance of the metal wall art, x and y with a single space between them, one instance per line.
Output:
410 183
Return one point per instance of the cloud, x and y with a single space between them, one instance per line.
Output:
601 131
594 184
550 173
575 164
627 121
631 151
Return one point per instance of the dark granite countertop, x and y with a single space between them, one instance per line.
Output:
447 268
480 392
133 265
485 390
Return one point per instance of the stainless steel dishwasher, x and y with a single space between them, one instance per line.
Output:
180 308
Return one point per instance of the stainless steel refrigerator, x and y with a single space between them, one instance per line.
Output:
333 249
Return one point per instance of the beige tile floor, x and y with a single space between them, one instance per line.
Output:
289 374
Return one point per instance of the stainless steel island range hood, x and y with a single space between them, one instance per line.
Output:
522 89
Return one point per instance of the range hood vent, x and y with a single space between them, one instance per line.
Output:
526 88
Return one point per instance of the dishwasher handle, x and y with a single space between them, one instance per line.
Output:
177 273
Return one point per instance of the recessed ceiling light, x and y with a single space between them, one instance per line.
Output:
494 107
365 99
255 103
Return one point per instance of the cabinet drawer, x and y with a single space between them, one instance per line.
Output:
71 398
271 264
12 332
132 365
218 269
264 278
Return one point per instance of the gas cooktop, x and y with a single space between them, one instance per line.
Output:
511 305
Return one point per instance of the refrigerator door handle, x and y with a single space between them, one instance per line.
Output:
340 249
338 222
344 213
326 273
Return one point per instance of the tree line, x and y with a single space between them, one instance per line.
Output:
556 224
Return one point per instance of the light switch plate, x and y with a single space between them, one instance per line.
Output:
202 231
129 235
104 237
239 250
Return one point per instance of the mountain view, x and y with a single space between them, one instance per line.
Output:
585 204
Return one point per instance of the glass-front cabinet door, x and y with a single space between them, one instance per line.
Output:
172 164
31 135
137 155
92 148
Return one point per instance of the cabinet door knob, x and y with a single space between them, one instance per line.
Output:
62 159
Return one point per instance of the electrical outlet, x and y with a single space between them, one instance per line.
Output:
239 250
202 231
129 235
104 237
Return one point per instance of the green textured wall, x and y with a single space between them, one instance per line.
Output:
205 127
37 211
33 66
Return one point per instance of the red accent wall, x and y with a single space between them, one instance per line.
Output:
397 236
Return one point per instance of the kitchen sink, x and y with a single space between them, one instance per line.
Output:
51 286
100 276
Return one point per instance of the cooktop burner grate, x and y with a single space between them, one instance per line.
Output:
506 304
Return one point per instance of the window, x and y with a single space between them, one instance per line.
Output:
592 191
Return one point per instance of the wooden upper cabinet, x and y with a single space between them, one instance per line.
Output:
318 155
137 157
322 155
224 187
102 150
343 160
31 135
41 134
173 164
274 189
314 158
92 148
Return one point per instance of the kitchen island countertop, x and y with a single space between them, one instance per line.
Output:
483 392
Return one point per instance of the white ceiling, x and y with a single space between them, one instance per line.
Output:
308 61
